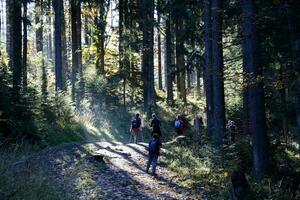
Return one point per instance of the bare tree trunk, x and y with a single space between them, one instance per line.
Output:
8 34
168 59
50 39
147 55
15 52
180 62
24 59
102 25
188 78
283 97
58 10
197 77
76 46
65 68
208 80
258 127
218 78
39 23
159 50
121 47
296 47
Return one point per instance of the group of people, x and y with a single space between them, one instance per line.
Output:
136 126
155 124
155 144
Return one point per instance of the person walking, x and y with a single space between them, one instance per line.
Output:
135 127
154 150
155 124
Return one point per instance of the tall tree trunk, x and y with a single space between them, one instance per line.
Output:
1 20
76 45
24 59
102 25
40 44
283 97
159 48
121 47
65 68
147 55
188 78
50 39
208 79
180 62
8 32
87 31
58 10
168 59
246 120
256 98
39 23
15 35
197 77
218 79
296 48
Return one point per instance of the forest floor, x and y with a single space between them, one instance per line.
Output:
102 170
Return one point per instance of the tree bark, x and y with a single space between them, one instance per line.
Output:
256 98
208 79
8 32
297 88
121 47
180 61
65 69
15 52
102 25
160 86
197 77
76 46
50 39
188 78
58 10
283 97
24 59
168 59
147 54
218 79
39 23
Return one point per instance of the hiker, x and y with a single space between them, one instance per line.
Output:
153 148
136 126
155 124
232 130
179 125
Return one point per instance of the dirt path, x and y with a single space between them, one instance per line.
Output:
105 170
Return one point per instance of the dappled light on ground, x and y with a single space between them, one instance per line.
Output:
108 170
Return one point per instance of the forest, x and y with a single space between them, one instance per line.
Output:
75 73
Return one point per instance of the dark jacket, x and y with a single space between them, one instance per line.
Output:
155 124
157 144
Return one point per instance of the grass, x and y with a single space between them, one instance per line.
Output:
208 168
28 184
199 167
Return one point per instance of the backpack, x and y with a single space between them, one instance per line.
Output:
182 124
134 123
177 123
156 124
153 145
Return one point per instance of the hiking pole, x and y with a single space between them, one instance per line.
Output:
130 135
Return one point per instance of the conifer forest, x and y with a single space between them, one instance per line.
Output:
150 99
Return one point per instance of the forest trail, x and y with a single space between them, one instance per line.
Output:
104 170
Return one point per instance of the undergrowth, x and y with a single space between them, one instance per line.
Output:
205 167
